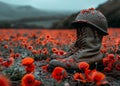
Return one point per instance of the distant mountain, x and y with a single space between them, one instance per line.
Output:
111 9
8 11
12 12
21 15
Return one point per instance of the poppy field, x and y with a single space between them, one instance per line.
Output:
25 55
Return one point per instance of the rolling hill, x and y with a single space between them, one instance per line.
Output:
14 15
111 9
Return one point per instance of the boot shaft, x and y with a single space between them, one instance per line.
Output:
88 38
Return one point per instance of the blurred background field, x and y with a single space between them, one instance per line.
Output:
53 14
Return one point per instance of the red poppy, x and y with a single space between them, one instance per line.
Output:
24 44
27 61
59 73
54 50
61 52
48 59
83 66
57 52
30 47
107 69
110 65
68 64
33 35
104 44
118 57
12 55
97 77
1 59
7 38
111 57
37 83
71 60
103 50
88 74
0 53
34 51
117 66
5 46
64 60
91 8
105 61
79 76
45 51
4 81
17 55
11 50
45 68
39 51
30 68
48 36
44 42
28 80
8 63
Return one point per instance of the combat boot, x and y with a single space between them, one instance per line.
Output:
88 44
91 26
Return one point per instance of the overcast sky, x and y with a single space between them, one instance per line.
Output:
58 5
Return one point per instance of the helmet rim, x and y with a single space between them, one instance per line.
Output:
81 22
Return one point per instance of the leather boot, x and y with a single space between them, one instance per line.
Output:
89 43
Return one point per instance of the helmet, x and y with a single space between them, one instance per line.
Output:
92 18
